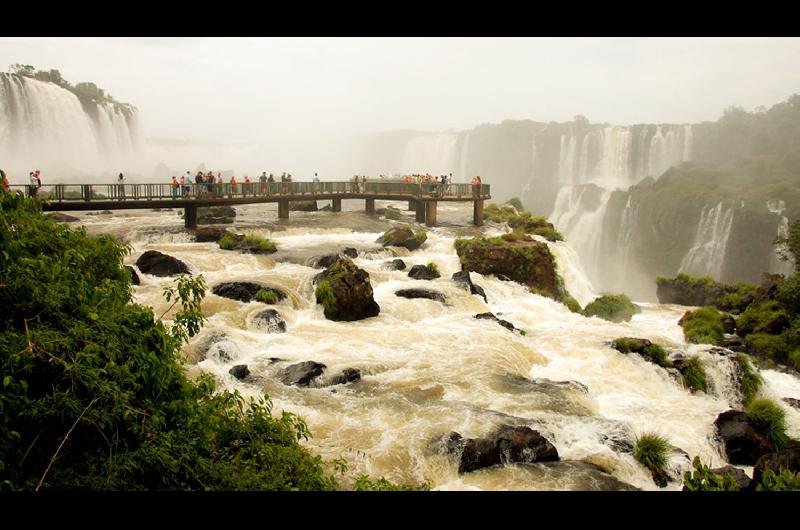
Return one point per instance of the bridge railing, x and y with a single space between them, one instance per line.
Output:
295 190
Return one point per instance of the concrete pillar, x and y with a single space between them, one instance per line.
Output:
336 205
420 211
283 209
190 216
430 213
370 206
477 213
412 205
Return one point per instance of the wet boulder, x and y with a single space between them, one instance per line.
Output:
403 237
240 371
423 272
134 277
462 278
490 316
506 445
215 215
421 293
395 265
786 459
62 217
244 291
270 321
301 374
345 292
303 206
739 476
743 443
208 234
350 252
323 262
793 402
348 375
157 264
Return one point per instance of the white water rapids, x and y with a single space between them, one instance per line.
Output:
430 368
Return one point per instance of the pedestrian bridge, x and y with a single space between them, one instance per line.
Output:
422 197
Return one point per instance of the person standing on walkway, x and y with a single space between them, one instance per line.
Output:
33 189
6 184
121 182
174 185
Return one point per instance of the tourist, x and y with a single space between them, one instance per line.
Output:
6 184
262 188
246 185
174 185
121 182
185 180
233 184
33 189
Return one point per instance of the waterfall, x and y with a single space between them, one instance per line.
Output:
708 251
462 175
45 126
432 153
776 264
527 187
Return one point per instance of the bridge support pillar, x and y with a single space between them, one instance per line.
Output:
336 205
190 216
283 209
412 205
430 213
370 206
420 206
477 213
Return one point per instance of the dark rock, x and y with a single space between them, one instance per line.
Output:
345 292
736 474
241 243
326 208
158 264
422 272
728 324
690 292
243 291
106 212
303 206
506 445
490 316
402 237
273 360
215 215
395 264
768 288
462 277
787 459
631 345
323 262
350 252
301 374
240 371
743 444
134 277
792 402
208 234
348 375
777 324
618 444
733 343
421 293
62 217
270 320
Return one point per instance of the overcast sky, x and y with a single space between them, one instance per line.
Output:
255 89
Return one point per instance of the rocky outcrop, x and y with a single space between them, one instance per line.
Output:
703 291
527 262
395 265
209 234
247 244
423 272
462 278
134 277
787 459
270 321
215 215
345 292
244 291
303 206
240 371
793 402
739 476
157 264
59 217
490 316
350 252
506 445
323 262
421 293
403 237
301 374
348 375
743 443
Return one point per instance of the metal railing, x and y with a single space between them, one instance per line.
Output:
292 190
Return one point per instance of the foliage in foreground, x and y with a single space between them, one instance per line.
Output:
704 479
651 451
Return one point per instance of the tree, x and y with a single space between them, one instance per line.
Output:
22 69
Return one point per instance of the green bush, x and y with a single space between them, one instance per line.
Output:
266 296
703 326
703 479
392 213
226 242
772 347
794 360
363 483
757 318
769 419
516 202
94 396
612 307
750 381
421 236
788 294
434 268
267 245
786 481
572 304
657 354
694 374
651 451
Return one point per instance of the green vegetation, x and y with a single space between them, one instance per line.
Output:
392 213
703 479
516 202
762 318
252 243
769 419
750 381
433 267
786 481
651 451
612 307
521 220
266 296
703 326
264 244
572 304
363 483
227 242
421 236
771 348
325 296
654 353
694 374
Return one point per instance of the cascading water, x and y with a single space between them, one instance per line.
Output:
434 154
708 251
560 378
776 264
43 126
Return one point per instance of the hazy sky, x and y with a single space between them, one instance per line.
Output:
257 89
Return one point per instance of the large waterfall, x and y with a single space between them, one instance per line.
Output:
778 265
708 252
44 126
434 154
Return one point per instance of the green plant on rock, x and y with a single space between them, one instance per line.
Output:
694 374
516 202
771 347
325 296
226 242
421 236
266 296
770 419
392 214
612 307
433 267
703 326
703 479
750 381
651 450
657 354
262 243
787 481
364 483
759 318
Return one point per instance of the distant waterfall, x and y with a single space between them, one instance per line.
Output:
462 175
708 251
43 126
433 153
776 264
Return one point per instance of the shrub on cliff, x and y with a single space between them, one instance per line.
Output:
612 307
769 419
651 451
703 326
